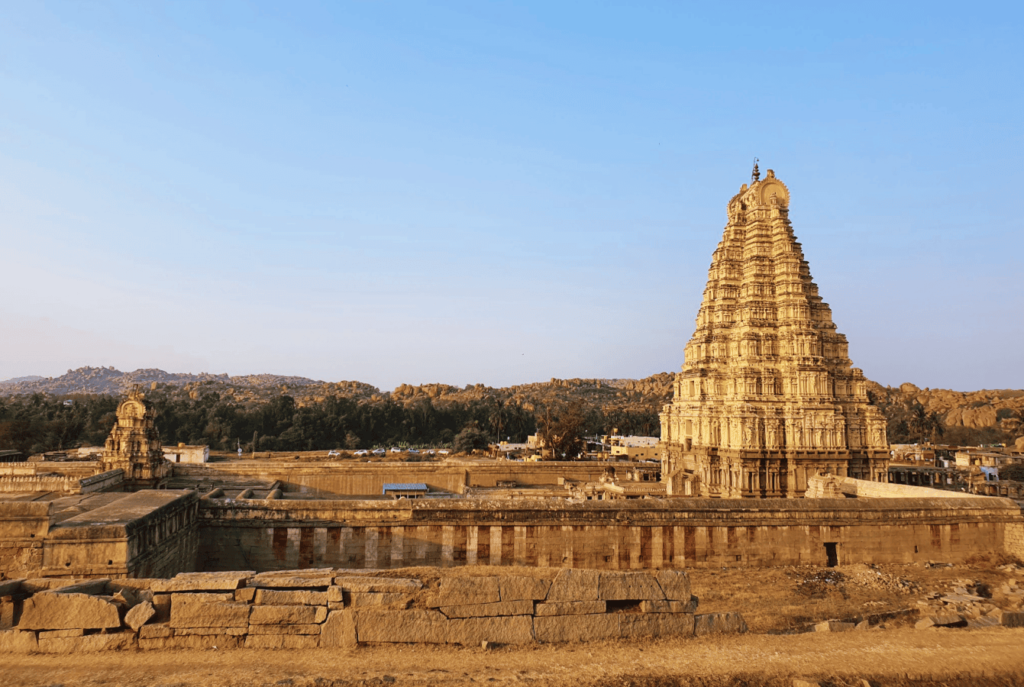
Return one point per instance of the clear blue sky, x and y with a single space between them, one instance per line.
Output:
495 192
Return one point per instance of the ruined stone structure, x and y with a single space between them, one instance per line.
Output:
767 395
134 444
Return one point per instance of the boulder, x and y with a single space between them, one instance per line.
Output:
460 591
570 608
140 614
506 630
278 597
656 625
202 582
629 586
517 587
415 626
378 584
577 628
718 623
675 584
339 630
502 608
575 585
281 615
68 612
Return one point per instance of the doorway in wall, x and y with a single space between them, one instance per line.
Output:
833 556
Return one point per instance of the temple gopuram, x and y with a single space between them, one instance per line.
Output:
134 444
767 396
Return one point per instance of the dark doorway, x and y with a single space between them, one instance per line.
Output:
830 551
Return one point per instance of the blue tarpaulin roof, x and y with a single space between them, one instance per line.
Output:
398 486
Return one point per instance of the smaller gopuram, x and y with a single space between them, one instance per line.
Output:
767 397
134 445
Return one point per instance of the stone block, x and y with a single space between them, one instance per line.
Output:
941 620
983 622
162 605
156 643
460 591
57 634
629 586
335 595
517 587
68 612
339 630
503 630
18 642
245 595
307 629
321 614
381 600
501 608
570 608
202 582
420 627
834 626
10 587
210 631
198 597
1012 619
201 642
656 624
575 585
381 585
155 631
281 615
76 645
282 642
332 606
576 628
718 623
139 615
321 582
215 614
304 597
656 606
675 584
90 587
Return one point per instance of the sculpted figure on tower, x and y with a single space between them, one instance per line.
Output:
766 367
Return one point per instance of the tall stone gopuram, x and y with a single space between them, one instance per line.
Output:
134 444
767 396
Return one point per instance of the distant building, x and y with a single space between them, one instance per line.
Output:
187 454
633 448
405 490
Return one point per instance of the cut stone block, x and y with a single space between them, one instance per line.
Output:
194 597
282 642
308 629
245 595
656 625
201 642
210 631
216 614
378 584
155 631
629 586
570 608
339 630
516 587
420 627
502 608
655 606
379 600
718 623
9 587
77 645
321 614
941 620
834 626
983 622
576 628
291 582
575 585
139 615
506 630
18 642
282 615
1012 619
56 634
200 582
277 597
460 591
68 612
91 587
675 584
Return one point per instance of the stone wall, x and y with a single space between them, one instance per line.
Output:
635 535
1014 545
328 608
819 485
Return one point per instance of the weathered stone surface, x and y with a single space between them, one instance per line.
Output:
9 587
139 615
17 642
210 631
55 634
320 614
941 620
197 642
281 615
426 627
197 582
983 622
282 642
655 606
90 587
834 626
459 591
77 645
323 582
68 612
339 630
215 614
570 608
335 595
675 584
307 629
620 586
656 624
378 600
194 597
155 631
576 628
277 597
516 587
245 595
575 585
1012 619
718 623
378 584
521 607
505 630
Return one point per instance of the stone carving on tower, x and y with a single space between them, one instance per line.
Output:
767 396
134 445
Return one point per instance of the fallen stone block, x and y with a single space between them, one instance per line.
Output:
459 591
941 620
501 608
982 622
576 628
215 614
570 608
275 597
518 587
139 615
1012 619
629 586
155 631
504 630
77 645
281 615
834 626
661 606
90 587
282 642
675 584
378 600
339 630
18 642
378 584
198 582
718 623
415 626
656 625
307 629
68 612
575 585
323 582
57 634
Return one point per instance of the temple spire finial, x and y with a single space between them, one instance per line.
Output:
756 174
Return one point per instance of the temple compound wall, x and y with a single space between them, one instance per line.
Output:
674 533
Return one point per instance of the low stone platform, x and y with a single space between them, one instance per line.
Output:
340 608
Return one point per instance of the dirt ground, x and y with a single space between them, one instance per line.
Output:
775 603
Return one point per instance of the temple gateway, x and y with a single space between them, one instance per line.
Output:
767 396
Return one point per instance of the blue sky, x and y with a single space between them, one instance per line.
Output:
498 193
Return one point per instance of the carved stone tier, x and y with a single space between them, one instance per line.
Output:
767 395
134 445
